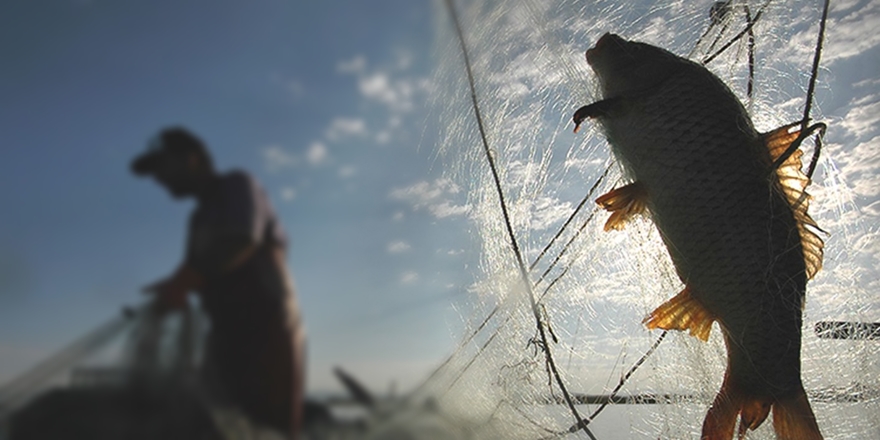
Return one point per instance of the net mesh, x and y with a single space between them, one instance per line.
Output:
592 287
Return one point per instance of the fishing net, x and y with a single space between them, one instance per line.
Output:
587 290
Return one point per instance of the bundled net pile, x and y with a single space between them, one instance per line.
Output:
592 288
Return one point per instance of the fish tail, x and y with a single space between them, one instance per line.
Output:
793 418
730 402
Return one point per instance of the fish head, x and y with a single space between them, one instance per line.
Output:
625 67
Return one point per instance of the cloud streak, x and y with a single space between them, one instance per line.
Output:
437 197
863 116
391 88
275 158
353 66
316 154
850 32
409 277
288 194
398 247
395 92
341 128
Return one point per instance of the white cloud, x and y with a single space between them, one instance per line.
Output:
396 94
347 171
378 86
545 211
436 197
867 82
873 209
317 153
854 33
843 5
276 157
295 88
847 36
409 277
404 59
426 191
586 164
863 117
356 65
526 73
860 166
387 86
397 247
398 216
346 127
383 137
514 89
447 209
288 194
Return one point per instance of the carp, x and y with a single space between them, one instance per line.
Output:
730 205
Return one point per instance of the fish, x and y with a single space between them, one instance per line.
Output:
730 204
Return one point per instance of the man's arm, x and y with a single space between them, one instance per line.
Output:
225 253
171 292
222 254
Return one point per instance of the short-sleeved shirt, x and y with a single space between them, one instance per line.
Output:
235 205
260 287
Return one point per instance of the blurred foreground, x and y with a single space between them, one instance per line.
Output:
150 389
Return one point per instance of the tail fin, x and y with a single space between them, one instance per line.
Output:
793 418
730 403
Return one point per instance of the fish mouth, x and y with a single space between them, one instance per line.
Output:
603 41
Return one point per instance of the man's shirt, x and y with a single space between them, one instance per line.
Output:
259 288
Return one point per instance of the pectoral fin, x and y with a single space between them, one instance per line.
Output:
682 312
624 203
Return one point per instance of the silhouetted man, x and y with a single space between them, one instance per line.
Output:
235 261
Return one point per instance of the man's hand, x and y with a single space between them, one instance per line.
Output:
171 293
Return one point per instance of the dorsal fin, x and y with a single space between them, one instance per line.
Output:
794 184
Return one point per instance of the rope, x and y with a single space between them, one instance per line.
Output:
511 236
738 36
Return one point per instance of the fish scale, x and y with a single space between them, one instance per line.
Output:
705 177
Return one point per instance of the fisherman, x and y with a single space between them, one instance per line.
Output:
235 261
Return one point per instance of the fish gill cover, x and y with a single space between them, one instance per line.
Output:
588 290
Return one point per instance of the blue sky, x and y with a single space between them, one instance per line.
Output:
324 102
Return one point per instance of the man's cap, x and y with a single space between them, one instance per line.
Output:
168 143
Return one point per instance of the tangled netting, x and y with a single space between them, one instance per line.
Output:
521 66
